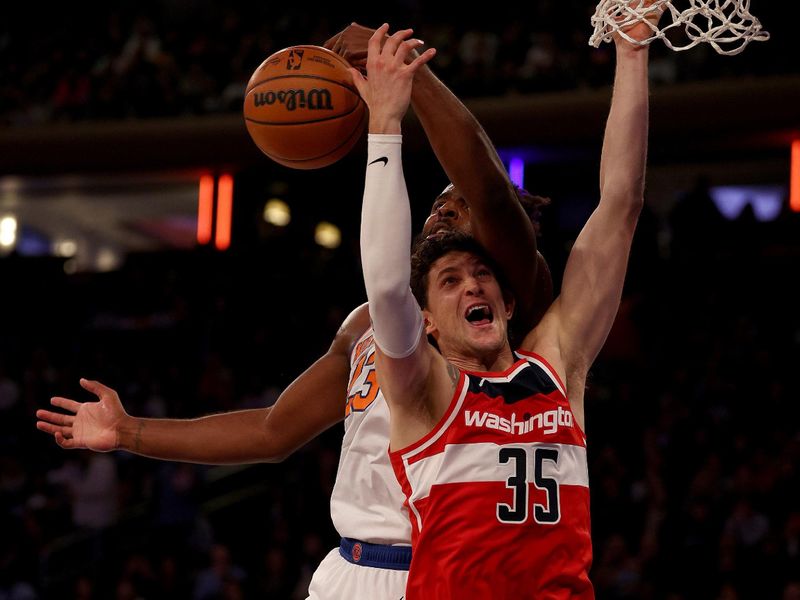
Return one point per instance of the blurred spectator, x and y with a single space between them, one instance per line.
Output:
11 409
163 60
222 579
91 481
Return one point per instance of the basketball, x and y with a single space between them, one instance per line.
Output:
302 109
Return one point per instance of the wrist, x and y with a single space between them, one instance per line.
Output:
383 124
128 433
628 49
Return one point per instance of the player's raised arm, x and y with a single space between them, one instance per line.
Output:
403 358
467 155
308 406
470 160
582 315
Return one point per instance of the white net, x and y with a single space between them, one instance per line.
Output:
726 25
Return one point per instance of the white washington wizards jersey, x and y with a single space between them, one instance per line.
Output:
367 502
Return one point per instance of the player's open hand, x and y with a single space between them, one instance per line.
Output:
92 425
387 87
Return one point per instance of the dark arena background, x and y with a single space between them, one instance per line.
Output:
123 153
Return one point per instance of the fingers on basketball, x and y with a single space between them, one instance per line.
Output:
302 107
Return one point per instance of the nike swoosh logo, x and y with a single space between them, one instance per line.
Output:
382 159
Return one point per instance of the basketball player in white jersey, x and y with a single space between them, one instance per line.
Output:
488 444
367 502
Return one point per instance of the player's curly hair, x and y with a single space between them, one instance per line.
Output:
532 205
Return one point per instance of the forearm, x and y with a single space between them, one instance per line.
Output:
469 158
461 145
385 249
311 404
227 438
622 165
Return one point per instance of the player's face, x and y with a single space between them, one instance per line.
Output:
467 313
448 213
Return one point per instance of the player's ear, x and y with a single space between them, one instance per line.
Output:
510 304
430 327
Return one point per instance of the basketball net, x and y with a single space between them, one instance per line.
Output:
726 25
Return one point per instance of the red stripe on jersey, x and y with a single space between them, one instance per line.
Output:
443 422
402 479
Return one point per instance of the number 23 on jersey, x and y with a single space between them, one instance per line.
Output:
363 386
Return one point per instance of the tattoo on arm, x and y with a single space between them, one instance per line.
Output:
454 374
137 438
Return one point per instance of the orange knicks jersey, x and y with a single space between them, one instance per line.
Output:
498 492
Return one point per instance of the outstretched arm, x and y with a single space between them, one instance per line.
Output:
471 162
403 358
309 406
576 327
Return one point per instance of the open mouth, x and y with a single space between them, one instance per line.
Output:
479 314
438 231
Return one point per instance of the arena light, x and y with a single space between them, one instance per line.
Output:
327 235
765 200
66 247
794 188
107 260
8 232
277 212
224 211
516 170
205 209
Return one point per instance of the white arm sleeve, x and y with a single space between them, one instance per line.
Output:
386 249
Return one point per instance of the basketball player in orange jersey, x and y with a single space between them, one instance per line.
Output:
367 501
488 444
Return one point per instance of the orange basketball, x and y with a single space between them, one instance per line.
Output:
302 109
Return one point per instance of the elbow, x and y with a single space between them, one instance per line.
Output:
628 200
384 288
272 448
632 204
274 459
272 454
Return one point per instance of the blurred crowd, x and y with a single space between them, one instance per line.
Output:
174 58
692 418
692 408
177 335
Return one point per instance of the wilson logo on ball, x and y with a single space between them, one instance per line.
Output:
314 99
